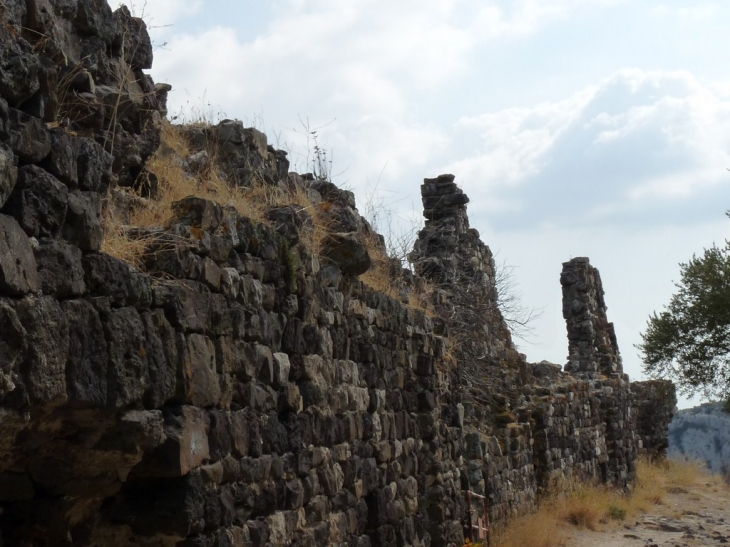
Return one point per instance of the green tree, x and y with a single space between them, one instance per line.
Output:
689 341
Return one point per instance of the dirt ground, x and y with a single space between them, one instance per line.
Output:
698 515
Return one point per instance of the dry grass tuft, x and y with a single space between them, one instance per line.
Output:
540 529
585 506
168 164
588 506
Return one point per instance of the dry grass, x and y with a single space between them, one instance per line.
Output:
540 529
175 183
588 506
385 276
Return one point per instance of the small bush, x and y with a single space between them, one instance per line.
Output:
616 513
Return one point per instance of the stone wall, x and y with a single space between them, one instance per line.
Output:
655 402
237 388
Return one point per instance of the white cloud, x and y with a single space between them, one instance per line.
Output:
695 13
638 141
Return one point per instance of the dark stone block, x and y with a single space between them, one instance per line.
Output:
186 307
94 18
347 252
289 221
219 435
94 166
13 348
211 509
18 271
83 226
137 46
198 213
38 202
44 369
274 436
86 369
426 401
259 532
128 371
162 358
28 136
19 76
114 278
59 268
199 378
61 161
8 172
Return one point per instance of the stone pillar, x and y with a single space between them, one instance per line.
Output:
592 345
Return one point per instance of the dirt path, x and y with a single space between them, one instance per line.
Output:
693 516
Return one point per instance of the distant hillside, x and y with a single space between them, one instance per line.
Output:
702 432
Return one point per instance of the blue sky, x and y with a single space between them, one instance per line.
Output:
595 128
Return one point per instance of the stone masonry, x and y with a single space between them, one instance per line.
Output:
236 388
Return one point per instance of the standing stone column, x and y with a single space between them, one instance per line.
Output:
592 345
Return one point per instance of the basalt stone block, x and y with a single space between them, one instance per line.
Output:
61 161
13 348
258 532
128 375
18 269
86 368
211 509
187 307
185 446
289 221
114 278
162 358
274 436
150 507
20 66
261 398
197 212
137 46
83 226
28 136
59 268
94 166
219 435
347 252
199 380
179 262
95 18
236 358
38 202
44 368
8 172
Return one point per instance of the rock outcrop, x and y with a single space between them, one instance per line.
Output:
240 388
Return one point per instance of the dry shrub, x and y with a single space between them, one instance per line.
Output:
588 506
685 473
540 529
584 506
117 242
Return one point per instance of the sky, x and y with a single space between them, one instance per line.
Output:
596 128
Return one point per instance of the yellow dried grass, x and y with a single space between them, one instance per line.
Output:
589 506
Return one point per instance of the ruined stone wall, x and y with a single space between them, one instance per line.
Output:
655 402
238 389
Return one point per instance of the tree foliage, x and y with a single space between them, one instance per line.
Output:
689 341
